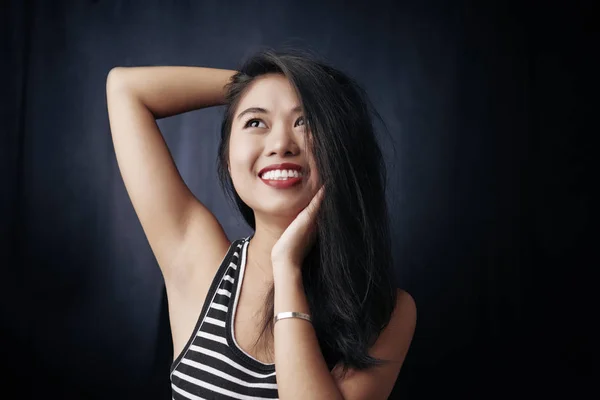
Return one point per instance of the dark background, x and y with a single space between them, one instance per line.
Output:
487 104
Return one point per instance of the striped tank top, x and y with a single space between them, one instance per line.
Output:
212 365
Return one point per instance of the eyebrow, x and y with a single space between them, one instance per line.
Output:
263 111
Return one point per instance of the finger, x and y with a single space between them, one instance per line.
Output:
316 200
318 196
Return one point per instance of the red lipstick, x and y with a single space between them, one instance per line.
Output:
282 183
286 166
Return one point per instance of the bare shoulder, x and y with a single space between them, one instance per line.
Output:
395 339
406 307
392 345
402 323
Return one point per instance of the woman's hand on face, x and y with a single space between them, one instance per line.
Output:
298 238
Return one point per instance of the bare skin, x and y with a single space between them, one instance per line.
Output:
187 240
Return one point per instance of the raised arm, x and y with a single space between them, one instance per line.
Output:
166 208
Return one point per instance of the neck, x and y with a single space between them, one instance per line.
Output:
259 249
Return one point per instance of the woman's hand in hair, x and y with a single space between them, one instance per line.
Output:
295 242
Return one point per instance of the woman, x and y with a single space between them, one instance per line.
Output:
310 293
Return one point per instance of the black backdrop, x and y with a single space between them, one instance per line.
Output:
485 103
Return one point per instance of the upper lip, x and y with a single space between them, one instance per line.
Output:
285 166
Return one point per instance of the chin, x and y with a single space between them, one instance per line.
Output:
281 209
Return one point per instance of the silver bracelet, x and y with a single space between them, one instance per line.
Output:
291 314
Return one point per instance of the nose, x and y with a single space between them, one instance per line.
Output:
281 141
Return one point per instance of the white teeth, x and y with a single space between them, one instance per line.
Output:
279 174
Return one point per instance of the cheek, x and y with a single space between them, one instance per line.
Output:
242 159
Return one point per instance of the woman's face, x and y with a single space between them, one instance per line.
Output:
260 139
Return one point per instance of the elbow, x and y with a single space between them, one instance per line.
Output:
115 79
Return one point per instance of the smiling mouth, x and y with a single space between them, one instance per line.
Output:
281 175
282 179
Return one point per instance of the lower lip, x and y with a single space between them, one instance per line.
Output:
282 184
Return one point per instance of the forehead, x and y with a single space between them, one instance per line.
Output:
271 91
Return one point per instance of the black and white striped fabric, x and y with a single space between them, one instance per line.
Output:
212 365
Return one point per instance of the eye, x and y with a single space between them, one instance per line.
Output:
246 125
249 123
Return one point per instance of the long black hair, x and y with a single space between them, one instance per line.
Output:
348 274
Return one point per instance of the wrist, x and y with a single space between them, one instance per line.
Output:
287 272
